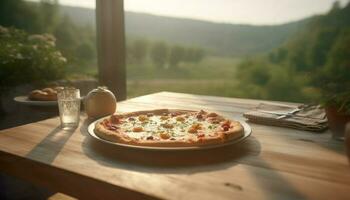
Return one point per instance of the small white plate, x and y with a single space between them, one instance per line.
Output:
25 100
247 133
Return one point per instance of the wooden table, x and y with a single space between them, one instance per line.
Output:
274 163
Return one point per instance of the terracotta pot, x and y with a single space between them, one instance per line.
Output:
337 121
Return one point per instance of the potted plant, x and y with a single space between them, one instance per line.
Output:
333 79
338 113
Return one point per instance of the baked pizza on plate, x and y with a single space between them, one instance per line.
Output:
168 128
46 94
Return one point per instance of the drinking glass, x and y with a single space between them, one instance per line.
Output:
69 107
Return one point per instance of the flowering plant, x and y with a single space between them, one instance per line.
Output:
26 58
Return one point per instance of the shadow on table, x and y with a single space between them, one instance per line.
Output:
273 181
190 162
330 144
51 145
322 139
187 161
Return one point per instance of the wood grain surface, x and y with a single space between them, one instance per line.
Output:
274 163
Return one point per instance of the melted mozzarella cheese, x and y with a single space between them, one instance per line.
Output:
176 129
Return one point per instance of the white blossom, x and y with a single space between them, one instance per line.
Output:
49 37
62 59
36 37
3 29
51 43
19 56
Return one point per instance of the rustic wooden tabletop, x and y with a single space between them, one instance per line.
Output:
273 163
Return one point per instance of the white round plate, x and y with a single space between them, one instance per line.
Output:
26 101
247 133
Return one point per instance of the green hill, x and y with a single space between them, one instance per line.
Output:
312 64
218 38
309 49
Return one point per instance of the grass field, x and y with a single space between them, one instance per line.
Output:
214 87
209 68
214 76
211 76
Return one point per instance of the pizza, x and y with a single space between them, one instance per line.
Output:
168 128
46 94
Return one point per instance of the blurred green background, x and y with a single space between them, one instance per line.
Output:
288 62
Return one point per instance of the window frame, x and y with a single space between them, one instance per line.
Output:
110 30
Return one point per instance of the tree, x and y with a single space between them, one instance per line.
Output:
278 55
159 54
320 47
19 14
334 77
194 54
49 15
176 55
68 38
85 51
335 6
138 51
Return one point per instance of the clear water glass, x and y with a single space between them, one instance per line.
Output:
69 107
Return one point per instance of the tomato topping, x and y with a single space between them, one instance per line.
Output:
227 122
226 125
226 128
164 135
137 129
166 125
201 135
199 116
192 130
212 115
115 119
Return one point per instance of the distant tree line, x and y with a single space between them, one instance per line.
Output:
161 54
315 58
78 43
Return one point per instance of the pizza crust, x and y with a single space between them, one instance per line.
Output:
101 131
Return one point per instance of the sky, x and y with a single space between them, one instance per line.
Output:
257 12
